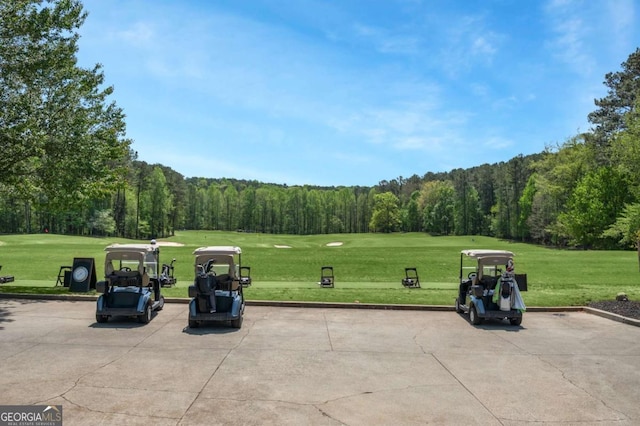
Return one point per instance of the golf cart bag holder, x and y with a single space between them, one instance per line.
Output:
411 279
6 278
326 277
205 292
166 278
245 276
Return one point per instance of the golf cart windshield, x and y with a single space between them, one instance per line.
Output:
222 260
490 263
134 257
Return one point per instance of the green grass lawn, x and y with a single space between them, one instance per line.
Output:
367 267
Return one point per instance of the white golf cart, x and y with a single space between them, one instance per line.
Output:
217 289
488 286
131 286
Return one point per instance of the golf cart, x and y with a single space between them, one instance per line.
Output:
411 279
486 291
217 292
131 286
326 277
6 278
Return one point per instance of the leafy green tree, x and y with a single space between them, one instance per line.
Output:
467 214
623 89
103 222
626 149
412 223
626 229
60 139
437 199
231 207
386 213
160 202
526 205
594 206
557 174
248 209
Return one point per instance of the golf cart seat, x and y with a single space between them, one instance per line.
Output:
125 278
225 282
489 282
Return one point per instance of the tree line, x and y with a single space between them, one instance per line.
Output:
69 168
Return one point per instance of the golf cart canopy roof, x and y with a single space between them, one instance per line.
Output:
140 248
217 250
485 253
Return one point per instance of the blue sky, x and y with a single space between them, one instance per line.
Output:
352 92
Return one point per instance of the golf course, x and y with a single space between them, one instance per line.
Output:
368 268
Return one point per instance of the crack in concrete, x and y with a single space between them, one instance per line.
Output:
33 345
111 412
326 324
325 414
540 358
415 340
473 395
583 389
199 394
63 395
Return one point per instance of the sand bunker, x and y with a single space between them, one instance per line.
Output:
334 244
279 246
169 244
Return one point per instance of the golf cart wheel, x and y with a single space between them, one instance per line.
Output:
515 321
237 323
193 323
102 318
146 316
473 316
458 308
161 304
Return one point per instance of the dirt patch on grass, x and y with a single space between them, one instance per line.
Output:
334 244
281 246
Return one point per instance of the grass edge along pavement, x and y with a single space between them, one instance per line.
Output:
368 266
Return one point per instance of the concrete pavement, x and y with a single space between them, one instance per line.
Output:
322 366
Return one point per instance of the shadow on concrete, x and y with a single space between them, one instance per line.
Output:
6 312
122 322
204 330
493 324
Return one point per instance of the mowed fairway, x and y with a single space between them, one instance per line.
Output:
368 268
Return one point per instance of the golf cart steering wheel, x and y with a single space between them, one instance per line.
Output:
125 269
471 275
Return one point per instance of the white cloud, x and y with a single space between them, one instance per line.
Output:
571 31
622 17
469 43
388 41
139 34
497 143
